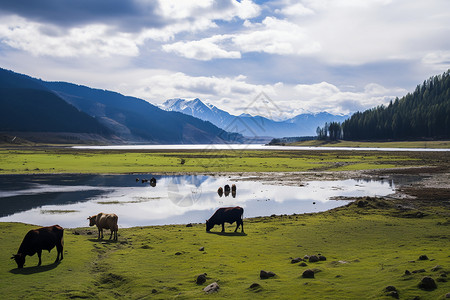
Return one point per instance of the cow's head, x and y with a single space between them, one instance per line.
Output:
209 225
20 259
92 220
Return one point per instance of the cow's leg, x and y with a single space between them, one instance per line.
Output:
39 252
223 227
59 248
110 237
237 226
242 226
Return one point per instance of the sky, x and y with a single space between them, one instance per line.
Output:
339 56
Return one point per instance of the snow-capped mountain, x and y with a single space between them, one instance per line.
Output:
252 126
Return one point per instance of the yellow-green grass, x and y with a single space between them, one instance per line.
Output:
55 160
366 250
358 144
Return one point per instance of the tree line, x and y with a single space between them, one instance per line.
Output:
423 114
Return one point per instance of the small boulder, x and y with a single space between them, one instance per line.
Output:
423 257
255 286
407 272
427 283
322 258
447 295
189 225
178 253
264 275
313 258
419 271
296 260
212 288
308 274
390 288
154 291
201 249
393 294
201 279
303 264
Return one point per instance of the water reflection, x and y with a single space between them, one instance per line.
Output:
68 200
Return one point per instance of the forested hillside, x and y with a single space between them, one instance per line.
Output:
423 114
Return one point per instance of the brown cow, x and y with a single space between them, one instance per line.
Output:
220 191
105 221
226 214
36 240
233 191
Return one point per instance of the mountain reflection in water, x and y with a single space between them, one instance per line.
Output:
68 200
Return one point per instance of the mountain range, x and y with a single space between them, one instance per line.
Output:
41 111
252 126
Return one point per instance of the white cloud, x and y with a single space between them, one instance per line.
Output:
438 60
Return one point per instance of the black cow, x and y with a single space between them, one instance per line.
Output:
226 214
36 240
153 181
227 190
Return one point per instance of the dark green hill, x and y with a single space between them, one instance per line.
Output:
423 114
137 120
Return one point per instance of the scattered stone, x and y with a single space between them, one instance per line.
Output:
201 279
423 257
76 233
264 275
178 253
296 260
313 258
212 288
322 258
447 295
390 288
427 283
419 271
306 257
362 203
441 279
407 272
189 225
154 291
201 249
436 268
255 286
308 274
393 294
89 233
303 264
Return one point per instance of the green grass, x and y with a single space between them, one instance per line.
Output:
397 144
375 248
50 160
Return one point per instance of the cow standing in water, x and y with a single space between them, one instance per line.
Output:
36 240
226 214
105 221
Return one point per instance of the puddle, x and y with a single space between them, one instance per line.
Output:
68 200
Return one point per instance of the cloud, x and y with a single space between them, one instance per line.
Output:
271 36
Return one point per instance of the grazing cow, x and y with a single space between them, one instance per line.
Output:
233 191
220 191
227 190
105 221
153 181
137 179
36 240
226 214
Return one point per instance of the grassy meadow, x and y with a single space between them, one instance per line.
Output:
60 160
366 250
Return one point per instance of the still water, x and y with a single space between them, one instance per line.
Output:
68 200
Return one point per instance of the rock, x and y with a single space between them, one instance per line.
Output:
255 286
306 257
308 274
436 268
407 272
390 288
189 225
212 288
201 279
447 295
264 275
362 203
178 253
393 294
423 257
313 258
427 283
419 271
296 260
154 291
303 264
201 249
322 258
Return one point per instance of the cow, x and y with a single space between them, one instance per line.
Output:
227 190
105 221
153 182
233 191
226 214
220 191
36 240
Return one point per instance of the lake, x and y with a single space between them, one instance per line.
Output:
245 147
68 200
